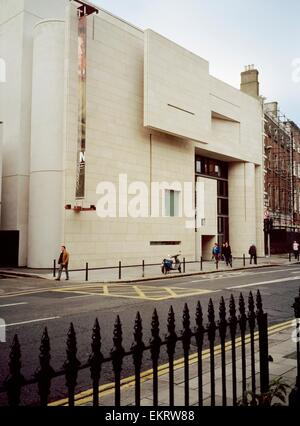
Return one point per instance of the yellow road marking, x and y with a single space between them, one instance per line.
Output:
139 291
41 290
107 389
135 291
24 292
171 292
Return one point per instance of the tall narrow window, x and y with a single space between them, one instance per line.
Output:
81 145
171 203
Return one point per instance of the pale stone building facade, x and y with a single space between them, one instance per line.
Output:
83 105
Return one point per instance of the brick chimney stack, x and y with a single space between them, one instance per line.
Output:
249 81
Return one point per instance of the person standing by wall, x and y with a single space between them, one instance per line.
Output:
253 254
296 249
63 262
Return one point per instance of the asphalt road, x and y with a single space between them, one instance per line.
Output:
28 305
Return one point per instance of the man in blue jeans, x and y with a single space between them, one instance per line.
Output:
63 263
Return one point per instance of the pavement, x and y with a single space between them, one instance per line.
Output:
282 349
136 273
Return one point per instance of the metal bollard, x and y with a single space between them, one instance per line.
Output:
244 260
201 264
120 270
290 257
54 268
143 268
184 265
86 272
217 264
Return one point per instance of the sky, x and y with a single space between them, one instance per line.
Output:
230 34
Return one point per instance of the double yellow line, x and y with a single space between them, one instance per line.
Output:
129 382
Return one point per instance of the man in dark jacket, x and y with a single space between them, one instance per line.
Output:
227 254
253 254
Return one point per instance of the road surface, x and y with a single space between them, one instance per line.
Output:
28 305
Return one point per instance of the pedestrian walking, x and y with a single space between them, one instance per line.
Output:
253 254
63 262
216 252
227 254
296 249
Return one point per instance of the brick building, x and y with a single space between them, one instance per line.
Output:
282 177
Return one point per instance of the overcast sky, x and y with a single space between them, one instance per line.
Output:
231 34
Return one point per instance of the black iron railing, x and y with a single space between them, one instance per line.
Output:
225 329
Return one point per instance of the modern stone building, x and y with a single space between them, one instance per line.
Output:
90 97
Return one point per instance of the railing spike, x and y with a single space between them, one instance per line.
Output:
72 364
232 307
233 321
137 349
211 312
232 312
211 331
171 339
222 332
155 325
222 310
199 314
251 322
15 380
251 302
251 311
95 361
186 317
138 329
199 335
171 321
45 373
186 343
242 303
117 354
155 344
259 305
222 316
